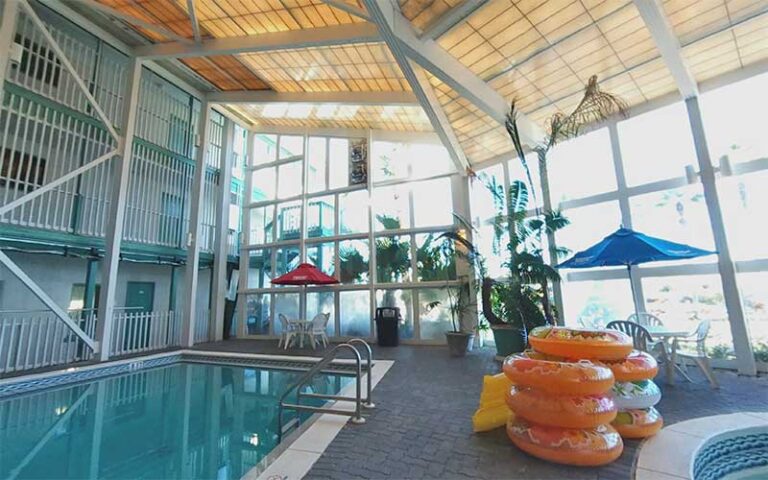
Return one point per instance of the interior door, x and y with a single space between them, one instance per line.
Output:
139 298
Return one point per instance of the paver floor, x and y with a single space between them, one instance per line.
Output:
422 426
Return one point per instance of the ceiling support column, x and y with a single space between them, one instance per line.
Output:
219 281
116 215
197 198
733 304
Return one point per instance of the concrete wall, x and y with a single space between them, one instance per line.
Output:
57 274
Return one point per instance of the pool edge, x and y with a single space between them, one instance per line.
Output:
670 453
296 459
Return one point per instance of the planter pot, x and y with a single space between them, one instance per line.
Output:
458 343
508 340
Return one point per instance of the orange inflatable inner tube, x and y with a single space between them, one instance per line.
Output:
559 378
638 423
588 344
637 366
584 447
586 411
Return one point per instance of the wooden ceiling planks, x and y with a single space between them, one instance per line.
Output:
423 12
359 67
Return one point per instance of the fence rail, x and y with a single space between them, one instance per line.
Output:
136 332
29 341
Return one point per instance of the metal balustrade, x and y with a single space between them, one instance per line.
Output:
38 339
137 332
202 325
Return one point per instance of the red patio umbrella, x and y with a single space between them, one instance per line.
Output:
305 274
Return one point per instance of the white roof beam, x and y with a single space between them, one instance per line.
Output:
193 20
436 60
405 99
381 14
305 38
451 18
668 44
136 21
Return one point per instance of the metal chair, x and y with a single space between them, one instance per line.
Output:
697 352
641 338
645 319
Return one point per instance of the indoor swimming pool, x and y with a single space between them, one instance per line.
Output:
180 420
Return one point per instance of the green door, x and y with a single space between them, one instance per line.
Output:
140 297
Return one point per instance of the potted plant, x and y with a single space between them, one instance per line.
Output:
459 303
522 301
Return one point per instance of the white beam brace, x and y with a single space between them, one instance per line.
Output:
68 65
116 215
342 98
433 58
55 183
306 38
193 20
48 301
221 251
7 33
113 12
451 18
242 313
382 15
668 44
733 304
189 305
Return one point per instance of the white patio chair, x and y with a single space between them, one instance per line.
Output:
288 332
645 319
319 325
694 348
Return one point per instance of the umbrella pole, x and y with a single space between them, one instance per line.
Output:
632 286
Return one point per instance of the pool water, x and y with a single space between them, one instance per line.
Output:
185 420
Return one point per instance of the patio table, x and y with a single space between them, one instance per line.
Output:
304 328
669 337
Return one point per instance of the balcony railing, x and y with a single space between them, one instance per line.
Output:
34 339
38 339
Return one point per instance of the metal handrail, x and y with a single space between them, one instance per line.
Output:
304 380
368 403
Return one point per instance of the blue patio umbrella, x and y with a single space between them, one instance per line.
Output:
625 247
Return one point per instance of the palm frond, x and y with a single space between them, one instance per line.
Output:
595 106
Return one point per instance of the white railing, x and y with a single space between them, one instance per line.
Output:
202 325
136 332
38 339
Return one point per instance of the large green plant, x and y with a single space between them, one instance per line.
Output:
523 300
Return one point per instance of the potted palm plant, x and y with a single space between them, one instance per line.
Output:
523 301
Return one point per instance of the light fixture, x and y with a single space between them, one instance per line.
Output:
691 175
726 169
59 411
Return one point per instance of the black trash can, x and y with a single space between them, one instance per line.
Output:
388 326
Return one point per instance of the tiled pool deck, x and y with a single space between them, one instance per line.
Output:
422 427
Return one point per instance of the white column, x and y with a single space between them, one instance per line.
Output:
626 214
116 214
242 303
462 208
189 305
736 318
557 289
219 281
7 31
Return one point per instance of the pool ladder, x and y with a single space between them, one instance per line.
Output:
306 378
